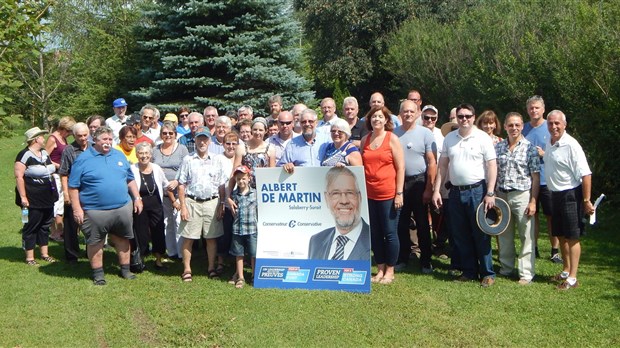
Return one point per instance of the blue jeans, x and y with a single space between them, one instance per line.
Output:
383 231
472 245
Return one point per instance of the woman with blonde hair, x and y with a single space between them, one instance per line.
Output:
55 145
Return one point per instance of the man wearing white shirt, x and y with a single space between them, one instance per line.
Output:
117 121
468 156
569 179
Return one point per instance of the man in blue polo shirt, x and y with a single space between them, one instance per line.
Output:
98 185
305 150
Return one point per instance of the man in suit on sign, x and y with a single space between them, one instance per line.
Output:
349 239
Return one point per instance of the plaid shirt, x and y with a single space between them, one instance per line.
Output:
514 169
246 220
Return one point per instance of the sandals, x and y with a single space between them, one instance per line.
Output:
32 263
213 274
48 259
186 277
239 283
220 269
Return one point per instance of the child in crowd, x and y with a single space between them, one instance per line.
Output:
245 223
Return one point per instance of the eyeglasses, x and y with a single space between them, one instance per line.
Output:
307 122
339 194
285 123
460 117
183 115
335 131
167 133
430 118
147 117
231 143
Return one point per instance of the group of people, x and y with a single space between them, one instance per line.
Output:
159 186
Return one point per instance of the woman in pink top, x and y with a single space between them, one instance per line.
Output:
55 145
384 167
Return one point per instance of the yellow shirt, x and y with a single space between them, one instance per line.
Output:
131 155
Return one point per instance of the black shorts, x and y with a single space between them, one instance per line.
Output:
568 213
544 200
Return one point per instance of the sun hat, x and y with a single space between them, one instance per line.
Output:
33 133
449 127
495 221
171 117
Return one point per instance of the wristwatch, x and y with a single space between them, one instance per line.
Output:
399 193
490 194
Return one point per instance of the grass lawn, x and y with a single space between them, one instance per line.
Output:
56 305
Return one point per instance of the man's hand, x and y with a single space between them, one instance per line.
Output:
138 206
489 202
436 199
289 168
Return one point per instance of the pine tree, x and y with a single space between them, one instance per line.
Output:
222 53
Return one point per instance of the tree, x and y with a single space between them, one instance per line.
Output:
347 38
568 52
221 53
21 21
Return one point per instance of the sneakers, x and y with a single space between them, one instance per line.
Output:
525 282
560 277
565 285
487 282
555 258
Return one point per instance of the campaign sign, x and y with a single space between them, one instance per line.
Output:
313 229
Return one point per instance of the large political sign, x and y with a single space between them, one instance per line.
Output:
313 229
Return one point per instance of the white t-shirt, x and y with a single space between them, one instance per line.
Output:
468 156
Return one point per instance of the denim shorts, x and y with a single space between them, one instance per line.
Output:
243 244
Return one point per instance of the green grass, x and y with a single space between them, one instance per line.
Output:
56 305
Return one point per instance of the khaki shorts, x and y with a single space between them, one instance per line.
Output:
202 221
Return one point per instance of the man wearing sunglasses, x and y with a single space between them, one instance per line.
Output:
468 156
285 133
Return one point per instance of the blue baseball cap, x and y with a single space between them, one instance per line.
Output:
119 103
202 131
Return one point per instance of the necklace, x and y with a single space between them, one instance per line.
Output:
146 184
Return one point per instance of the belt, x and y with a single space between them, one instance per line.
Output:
468 187
506 190
420 177
200 200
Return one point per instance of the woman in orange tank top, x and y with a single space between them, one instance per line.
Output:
385 175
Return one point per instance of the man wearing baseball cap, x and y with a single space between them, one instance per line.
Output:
201 184
119 119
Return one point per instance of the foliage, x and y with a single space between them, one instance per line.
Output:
98 39
347 38
56 304
568 52
221 53
21 21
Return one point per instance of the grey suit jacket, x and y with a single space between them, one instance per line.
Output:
320 244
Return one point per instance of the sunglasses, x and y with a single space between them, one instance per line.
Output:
183 115
460 117
167 133
285 123
430 118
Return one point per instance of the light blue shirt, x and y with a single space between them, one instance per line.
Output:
538 136
303 154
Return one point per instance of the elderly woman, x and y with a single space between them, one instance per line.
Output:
36 190
224 213
256 152
245 130
183 127
489 123
55 144
169 155
152 184
341 152
384 167
127 146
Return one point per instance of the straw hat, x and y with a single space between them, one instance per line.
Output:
33 133
448 127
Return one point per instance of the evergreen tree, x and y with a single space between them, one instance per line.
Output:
222 53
